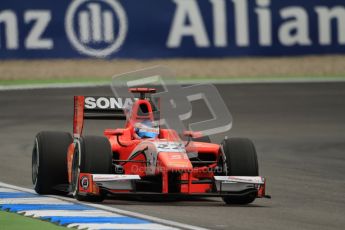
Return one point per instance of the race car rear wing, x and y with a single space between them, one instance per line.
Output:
99 108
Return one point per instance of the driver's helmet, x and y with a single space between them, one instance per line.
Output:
146 129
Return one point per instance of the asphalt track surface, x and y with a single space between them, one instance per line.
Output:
298 129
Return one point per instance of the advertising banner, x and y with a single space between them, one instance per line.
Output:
149 29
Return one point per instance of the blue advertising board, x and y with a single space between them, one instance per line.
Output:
170 28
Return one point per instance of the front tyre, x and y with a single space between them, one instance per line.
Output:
241 160
92 155
49 161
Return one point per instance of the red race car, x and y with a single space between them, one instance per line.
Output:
142 159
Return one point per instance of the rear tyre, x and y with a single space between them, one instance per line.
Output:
49 161
241 160
92 154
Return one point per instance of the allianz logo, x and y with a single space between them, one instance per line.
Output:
95 25
90 26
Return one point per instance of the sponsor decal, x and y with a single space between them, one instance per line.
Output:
100 177
170 147
240 179
107 103
84 182
178 156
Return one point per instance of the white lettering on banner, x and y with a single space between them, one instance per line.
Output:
96 26
325 16
296 30
242 25
34 38
187 9
219 23
9 19
41 20
264 22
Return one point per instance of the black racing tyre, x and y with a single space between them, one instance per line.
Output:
241 160
49 161
92 154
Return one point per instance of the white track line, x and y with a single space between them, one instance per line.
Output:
7 190
183 82
92 213
51 86
35 200
116 210
120 226
17 188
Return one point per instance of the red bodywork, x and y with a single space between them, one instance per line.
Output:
168 163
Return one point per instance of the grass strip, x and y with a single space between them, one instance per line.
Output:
13 221
196 79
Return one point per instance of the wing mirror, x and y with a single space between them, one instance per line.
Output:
117 133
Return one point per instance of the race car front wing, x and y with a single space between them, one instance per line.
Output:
122 184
